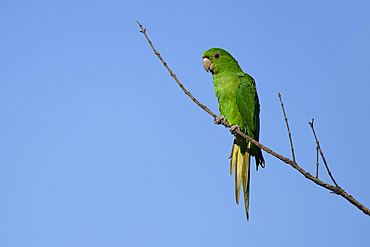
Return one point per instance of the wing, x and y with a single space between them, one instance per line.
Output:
248 105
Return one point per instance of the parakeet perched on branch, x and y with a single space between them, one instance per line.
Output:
238 102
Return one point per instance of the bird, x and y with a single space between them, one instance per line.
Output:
239 105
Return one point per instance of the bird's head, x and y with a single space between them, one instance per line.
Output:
217 60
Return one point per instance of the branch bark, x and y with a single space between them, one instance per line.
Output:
335 189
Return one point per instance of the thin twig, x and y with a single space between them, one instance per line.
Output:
335 189
317 158
317 161
322 155
287 125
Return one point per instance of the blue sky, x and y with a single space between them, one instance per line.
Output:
100 147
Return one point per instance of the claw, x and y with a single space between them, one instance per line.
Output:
233 129
219 119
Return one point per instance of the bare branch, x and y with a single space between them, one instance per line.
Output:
143 30
336 189
322 155
287 125
317 161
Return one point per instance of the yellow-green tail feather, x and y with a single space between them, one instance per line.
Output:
241 164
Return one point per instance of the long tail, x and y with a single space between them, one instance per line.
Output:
241 164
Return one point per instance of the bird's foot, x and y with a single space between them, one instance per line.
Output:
219 119
233 129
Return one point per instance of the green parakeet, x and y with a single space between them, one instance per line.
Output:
238 103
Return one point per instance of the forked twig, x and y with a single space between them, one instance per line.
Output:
335 189
321 153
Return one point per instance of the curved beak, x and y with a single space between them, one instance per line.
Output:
207 64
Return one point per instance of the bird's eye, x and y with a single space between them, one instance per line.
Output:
216 55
